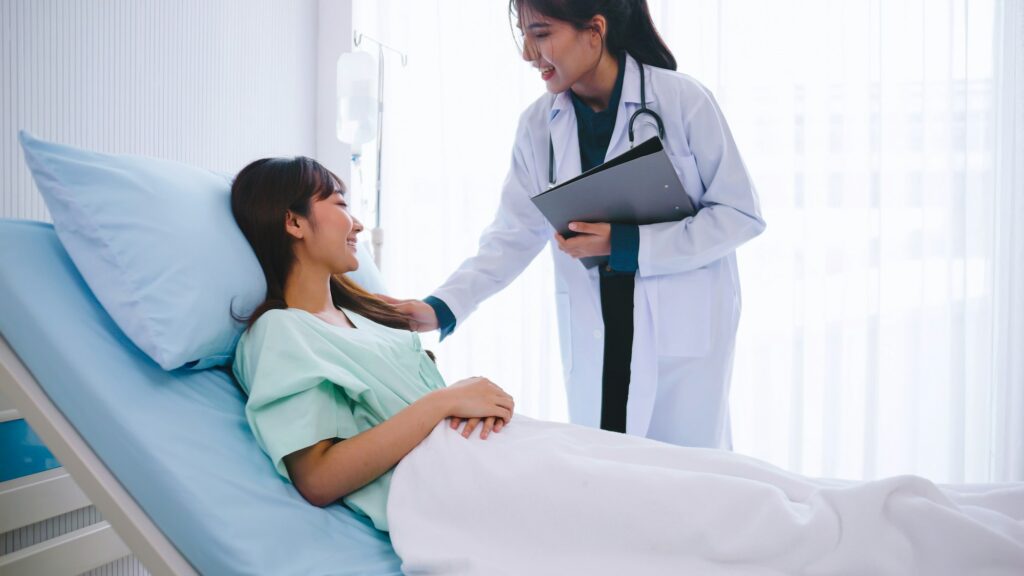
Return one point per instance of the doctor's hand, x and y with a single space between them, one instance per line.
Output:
421 315
591 240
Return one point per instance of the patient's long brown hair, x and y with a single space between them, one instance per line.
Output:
260 195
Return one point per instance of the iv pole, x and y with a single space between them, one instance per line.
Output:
377 234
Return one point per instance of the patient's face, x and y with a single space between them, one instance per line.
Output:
331 240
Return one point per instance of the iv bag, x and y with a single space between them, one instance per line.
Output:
357 99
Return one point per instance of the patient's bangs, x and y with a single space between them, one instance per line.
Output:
324 182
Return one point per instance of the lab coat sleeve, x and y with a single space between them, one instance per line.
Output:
512 240
729 213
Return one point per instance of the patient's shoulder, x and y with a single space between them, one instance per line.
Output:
268 324
273 317
272 329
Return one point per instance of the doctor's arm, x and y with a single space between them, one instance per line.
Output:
516 235
729 213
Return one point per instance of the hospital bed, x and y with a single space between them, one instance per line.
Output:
166 456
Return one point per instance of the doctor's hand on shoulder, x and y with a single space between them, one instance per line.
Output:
421 315
590 240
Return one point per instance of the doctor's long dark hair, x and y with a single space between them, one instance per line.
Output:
260 196
630 26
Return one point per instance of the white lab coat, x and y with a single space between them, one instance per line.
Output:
687 296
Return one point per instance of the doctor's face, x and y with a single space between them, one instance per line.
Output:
562 53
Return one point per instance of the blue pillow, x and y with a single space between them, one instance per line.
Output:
157 244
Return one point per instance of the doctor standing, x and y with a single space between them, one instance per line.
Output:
647 339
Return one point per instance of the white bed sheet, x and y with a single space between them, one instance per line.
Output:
547 498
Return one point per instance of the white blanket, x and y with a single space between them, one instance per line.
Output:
545 498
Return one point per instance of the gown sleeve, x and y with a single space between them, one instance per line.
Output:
294 401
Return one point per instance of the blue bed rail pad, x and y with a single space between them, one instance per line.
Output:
177 441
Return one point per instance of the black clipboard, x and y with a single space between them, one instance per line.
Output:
639 186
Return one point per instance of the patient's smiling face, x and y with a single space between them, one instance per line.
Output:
327 237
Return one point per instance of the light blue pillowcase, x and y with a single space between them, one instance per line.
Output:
156 242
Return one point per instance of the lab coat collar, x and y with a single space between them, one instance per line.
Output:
629 102
631 84
630 91
562 122
564 139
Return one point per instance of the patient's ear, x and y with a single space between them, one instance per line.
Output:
292 225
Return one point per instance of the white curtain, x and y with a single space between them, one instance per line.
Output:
882 323
1008 353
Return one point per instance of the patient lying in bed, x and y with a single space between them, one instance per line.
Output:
348 405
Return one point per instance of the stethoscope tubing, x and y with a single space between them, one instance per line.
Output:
632 119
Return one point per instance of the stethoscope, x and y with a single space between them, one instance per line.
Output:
643 110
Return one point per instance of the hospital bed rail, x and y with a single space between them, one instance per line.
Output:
126 528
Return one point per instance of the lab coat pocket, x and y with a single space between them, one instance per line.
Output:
563 309
683 317
686 169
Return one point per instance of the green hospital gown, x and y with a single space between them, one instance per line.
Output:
308 381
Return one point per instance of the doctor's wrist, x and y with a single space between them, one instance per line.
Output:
444 318
625 255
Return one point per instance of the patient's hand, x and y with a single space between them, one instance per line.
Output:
475 400
421 315
493 423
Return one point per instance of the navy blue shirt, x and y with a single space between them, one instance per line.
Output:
594 130
618 274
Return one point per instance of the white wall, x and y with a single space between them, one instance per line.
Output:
215 84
